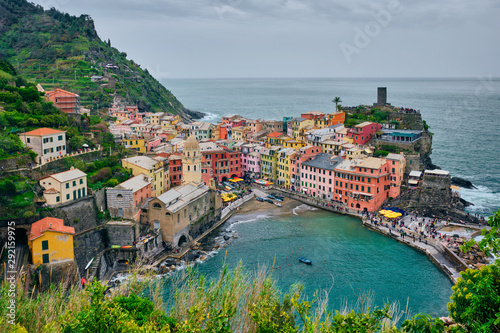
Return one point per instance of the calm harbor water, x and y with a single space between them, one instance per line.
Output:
462 114
348 260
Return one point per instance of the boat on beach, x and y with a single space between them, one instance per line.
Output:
277 204
305 261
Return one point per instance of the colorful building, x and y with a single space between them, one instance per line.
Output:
50 241
250 160
64 186
305 154
318 175
156 170
222 163
397 166
175 168
48 143
364 132
268 162
284 160
135 144
363 184
126 199
66 101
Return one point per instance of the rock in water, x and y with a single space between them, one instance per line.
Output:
462 183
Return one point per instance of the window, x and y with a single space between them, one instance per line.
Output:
81 180
67 196
45 245
156 205
60 137
67 185
58 199
28 140
45 258
74 182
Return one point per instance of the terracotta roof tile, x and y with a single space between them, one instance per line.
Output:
43 131
49 223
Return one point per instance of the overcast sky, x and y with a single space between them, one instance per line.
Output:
300 38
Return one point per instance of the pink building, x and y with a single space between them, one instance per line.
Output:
305 154
317 176
250 160
364 132
397 166
152 143
126 199
255 125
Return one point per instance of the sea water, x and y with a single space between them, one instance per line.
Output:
463 114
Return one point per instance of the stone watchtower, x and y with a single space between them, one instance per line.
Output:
191 162
381 97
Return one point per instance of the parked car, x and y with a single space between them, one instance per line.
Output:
260 199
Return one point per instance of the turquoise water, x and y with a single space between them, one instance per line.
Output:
348 260
463 114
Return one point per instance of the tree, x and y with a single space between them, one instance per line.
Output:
337 100
475 302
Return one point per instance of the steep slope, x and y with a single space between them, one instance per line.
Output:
60 50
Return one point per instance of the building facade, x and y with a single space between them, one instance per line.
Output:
63 187
50 241
48 143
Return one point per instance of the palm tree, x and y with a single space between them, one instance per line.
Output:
337 100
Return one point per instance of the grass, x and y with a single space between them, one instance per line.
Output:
236 301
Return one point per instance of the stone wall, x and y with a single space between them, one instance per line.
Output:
89 245
16 162
100 199
412 163
80 214
408 120
120 199
122 232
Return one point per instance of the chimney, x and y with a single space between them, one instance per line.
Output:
50 226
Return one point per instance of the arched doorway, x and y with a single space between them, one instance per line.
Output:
358 206
182 240
224 179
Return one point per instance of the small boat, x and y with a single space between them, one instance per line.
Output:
127 247
277 204
305 261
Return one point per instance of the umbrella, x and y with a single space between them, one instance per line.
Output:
453 187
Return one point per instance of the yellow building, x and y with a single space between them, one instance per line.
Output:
50 241
239 133
64 186
291 143
169 122
137 144
298 124
283 166
156 170
268 162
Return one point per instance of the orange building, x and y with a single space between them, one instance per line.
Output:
363 184
336 118
67 101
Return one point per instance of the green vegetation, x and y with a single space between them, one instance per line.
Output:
16 199
106 172
62 51
234 302
361 115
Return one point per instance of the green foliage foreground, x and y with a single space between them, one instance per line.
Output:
234 302
237 301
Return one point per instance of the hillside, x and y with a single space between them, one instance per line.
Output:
60 50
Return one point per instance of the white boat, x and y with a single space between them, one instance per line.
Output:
277 204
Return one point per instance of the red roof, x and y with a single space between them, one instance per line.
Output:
274 134
49 223
61 92
43 131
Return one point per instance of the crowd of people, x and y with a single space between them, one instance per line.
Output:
407 110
